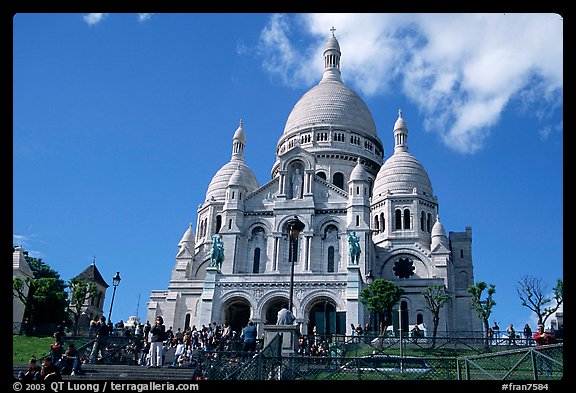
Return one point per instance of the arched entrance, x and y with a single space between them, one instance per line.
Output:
237 313
326 319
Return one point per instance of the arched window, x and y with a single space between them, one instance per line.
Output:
218 223
419 319
338 180
357 220
398 217
200 229
187 321
330 250
230 224
256 265
407 219
423 222
382 221
331 259
429 222
376 223
321 175
370 186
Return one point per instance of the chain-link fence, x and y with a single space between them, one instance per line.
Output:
535 363
529 363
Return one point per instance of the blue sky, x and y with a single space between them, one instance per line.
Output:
121 120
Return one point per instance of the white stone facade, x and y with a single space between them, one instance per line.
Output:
330 141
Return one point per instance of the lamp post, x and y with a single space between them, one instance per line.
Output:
295 227
369 281
115 281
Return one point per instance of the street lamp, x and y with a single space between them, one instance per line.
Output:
369 278
295 227
369 281
115 282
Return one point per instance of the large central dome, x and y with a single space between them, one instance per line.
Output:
334 104
332 122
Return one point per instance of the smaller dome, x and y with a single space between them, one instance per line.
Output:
358 173
220 181
438 229
236 178
438 235
188 235
402 173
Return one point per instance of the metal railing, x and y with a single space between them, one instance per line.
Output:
384 361
534 363
356 358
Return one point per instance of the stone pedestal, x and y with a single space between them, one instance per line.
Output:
290 335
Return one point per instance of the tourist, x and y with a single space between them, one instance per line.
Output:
285 316
249 335
528 334
158 333
541 338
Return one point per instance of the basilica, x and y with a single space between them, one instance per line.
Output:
334 216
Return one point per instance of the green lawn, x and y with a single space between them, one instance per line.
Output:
23 347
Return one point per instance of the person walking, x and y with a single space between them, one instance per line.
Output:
158 332
496 330
511 334
101 340
528 334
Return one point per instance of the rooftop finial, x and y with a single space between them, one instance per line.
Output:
332 30
400 113
240 122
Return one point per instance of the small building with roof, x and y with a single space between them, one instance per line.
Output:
95 308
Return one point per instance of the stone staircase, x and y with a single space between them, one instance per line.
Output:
116 372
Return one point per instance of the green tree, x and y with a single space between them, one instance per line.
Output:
532 292
47 298
82 291
379 298
436 297
483 307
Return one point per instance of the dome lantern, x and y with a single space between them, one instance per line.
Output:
400 134
332 58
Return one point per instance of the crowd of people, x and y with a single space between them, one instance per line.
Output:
512 337
153 342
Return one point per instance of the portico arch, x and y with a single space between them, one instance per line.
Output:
323 312
271 307
237 312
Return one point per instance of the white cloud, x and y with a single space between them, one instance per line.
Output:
461 70
94 18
